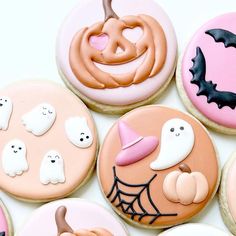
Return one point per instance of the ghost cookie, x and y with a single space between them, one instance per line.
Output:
6 228
194 229
74 217
205 74
153 167
117 54
6 107
49 149
227 194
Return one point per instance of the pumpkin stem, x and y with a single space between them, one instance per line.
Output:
109 13
62 226
185 168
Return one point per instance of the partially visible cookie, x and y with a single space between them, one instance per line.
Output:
117 54
48 142
206 74
194 229
6 228
227 194
74 217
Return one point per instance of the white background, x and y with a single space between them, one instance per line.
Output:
28 30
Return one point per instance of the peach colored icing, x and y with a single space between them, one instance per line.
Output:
83 56
77 161
79 18
148 121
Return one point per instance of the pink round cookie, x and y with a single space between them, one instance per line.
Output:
117 54
5 222
74 217
48 141
206 78
228 194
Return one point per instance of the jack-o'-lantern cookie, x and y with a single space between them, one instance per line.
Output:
48 142
74 217
227 194
194 229
206 74
117 54
153 167
6 228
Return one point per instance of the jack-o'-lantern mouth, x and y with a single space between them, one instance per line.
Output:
124 68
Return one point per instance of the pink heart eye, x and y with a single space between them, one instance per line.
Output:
99 42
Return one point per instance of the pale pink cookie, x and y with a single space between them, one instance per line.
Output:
117 54
227 194
206 74
72 217
6 228
49 147
153 167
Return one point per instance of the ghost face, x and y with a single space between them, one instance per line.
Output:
40 119
14 158
78 132
52 168
177 140
5 112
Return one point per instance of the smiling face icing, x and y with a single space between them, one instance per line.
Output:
176 182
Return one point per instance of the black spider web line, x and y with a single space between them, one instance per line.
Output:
128 207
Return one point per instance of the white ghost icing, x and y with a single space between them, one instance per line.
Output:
78 132
14 160
52 168
40 119
177 140
5 112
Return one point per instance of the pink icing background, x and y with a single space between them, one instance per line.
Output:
92 11
220 66
3 222
81 214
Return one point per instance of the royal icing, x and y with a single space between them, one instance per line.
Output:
207 76
72 217
6 107
40 119
43 179
130 69
153 198
177 140
52 168
14 161
194 229
78 132
134 146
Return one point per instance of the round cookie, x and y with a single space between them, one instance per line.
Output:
227 194
205 76
194 229
6 228
48 141
153 167
72 217
117 55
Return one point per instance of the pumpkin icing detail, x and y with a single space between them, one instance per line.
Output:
104 43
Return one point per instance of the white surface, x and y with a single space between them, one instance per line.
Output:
27 50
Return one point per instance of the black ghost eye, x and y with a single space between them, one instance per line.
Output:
87 137
181 128
57 157
50 112
172 130
81 139
81 133
20 148
5 100
12 146
0 99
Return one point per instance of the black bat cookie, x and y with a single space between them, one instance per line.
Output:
208 88
223 36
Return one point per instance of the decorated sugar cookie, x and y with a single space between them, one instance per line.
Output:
6 228
40 159
117 54
205 76
194 229
74 217
5 112
227 194
153 167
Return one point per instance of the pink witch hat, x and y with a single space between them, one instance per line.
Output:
134 146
